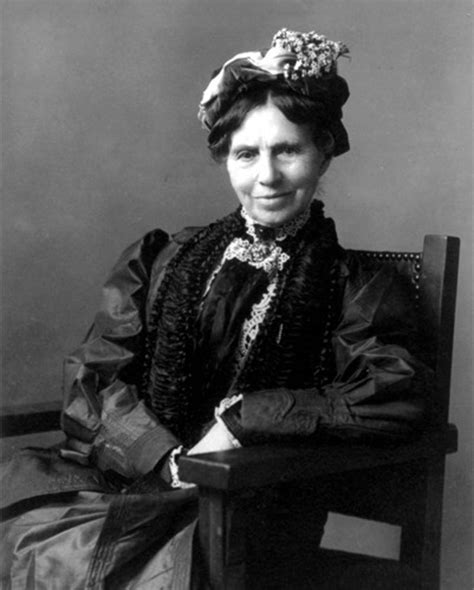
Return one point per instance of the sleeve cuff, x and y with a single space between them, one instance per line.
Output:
148 450
275 414
232 418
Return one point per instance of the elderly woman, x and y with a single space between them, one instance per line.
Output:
256 328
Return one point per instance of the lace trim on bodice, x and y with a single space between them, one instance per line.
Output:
251 325
261 253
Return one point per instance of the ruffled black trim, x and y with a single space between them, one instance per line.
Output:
173 322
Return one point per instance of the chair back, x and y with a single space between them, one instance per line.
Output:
432 278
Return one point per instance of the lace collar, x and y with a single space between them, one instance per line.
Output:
263 233
263 250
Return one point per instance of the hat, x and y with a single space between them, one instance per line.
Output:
306 62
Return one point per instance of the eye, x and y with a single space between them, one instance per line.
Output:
289 150
245 155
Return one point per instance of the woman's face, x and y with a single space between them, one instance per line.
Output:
273 166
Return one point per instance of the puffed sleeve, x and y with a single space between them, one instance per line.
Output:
105 421
380 386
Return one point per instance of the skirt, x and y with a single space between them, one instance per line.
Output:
63 526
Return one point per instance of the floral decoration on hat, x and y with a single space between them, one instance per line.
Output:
313 55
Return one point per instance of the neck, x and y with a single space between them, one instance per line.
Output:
261 232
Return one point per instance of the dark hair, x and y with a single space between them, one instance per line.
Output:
299 109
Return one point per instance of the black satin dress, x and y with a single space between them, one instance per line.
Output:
96 512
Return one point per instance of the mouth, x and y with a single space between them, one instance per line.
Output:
273 197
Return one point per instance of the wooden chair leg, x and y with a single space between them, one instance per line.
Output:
222 534
431 555
212 534
421 536
222 539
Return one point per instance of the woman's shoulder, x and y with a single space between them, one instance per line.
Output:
367 263
186 233
148 247
143 250
368 270
158 236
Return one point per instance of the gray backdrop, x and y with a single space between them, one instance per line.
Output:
101 143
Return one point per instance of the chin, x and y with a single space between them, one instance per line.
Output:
274 218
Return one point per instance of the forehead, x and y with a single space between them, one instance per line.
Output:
266 126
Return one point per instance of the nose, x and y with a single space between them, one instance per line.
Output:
268 172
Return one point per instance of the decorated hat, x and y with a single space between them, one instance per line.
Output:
306 62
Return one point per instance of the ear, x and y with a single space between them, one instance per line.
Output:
324 165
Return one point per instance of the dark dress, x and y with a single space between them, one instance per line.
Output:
318 347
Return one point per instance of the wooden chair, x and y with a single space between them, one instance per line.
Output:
400 485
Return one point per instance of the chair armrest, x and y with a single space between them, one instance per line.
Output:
265 465
30 418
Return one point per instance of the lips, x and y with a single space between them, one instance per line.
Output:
272 197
